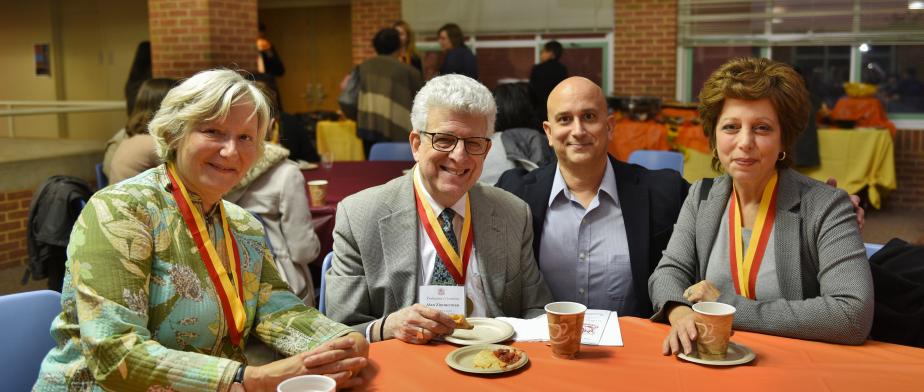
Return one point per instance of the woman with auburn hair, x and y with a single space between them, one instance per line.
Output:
408 51
783 249
166 282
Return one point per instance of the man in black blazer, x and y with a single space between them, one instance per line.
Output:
599 237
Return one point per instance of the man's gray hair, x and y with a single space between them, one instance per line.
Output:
204 97
456 93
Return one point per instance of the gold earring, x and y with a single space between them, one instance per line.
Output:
782 157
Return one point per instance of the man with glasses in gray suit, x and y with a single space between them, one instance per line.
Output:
435 226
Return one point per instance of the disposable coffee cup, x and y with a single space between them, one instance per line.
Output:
566 323
308 383
317 193
713 328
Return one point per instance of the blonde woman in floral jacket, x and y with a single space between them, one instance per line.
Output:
166 281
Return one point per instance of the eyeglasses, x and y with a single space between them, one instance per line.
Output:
445 142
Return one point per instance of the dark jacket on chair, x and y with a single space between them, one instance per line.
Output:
898 281
54 209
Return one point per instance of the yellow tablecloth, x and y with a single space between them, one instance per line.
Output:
339 137
856 158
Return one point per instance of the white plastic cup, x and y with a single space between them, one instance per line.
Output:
308 383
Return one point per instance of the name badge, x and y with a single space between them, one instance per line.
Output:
447 299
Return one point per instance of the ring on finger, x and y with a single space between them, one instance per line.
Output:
420 333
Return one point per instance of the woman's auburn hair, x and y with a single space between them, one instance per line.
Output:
750 78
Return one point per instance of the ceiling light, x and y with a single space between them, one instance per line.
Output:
864 47
916 5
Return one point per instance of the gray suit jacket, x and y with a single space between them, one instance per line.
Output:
821 263
376 257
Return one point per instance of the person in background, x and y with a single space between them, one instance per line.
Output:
799 238
387 238
166 282
269 64
137 74
458 58
515 142
136 153
408 51
543 77
274 188
386 92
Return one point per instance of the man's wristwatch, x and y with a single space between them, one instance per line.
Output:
239 375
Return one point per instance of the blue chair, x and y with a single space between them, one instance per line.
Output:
872 249
322 306
101 180
25 337
391 151
654 159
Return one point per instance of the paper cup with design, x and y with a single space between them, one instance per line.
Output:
317 193
566 323
713 328
308 383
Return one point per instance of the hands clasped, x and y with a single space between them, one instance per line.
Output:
341 359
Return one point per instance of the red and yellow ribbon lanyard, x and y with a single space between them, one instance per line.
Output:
231 299
456 265
744 267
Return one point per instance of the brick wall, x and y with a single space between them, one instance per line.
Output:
367 17
14 212
909 170
645 47
188 36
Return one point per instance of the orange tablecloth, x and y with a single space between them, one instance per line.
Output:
782 364
867 112
631 135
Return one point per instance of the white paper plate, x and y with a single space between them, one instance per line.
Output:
486 331
462 359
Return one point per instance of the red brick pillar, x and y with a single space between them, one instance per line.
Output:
188 36
645 47
367 17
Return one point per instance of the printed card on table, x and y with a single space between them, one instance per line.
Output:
601 328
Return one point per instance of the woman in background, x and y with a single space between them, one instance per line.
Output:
136 153
408 52
515 143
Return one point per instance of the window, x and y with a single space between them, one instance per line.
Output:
510 58
831 41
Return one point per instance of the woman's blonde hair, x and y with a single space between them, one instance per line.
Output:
751 78
204 97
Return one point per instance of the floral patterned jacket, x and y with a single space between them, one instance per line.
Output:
139 310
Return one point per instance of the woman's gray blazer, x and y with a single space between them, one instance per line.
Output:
821 262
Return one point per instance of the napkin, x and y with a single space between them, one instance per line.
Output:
535 329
